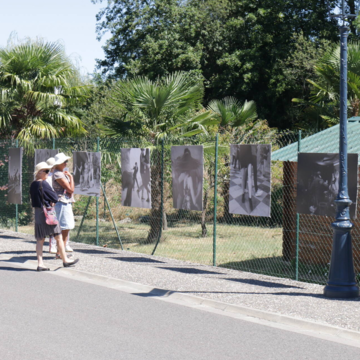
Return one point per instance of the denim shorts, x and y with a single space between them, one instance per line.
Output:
64 214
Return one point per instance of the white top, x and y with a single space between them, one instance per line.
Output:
49 179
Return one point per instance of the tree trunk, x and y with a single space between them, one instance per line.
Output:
165 224
225 193
155 218
203 214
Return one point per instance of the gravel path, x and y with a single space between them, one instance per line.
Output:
277 295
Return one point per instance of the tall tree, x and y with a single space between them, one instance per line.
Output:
236 46
40 91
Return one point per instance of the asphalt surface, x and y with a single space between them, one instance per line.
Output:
43 316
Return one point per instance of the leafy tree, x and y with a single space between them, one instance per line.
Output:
237 46
40 91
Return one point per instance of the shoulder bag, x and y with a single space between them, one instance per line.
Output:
49 212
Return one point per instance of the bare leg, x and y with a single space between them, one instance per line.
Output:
61 248
65 236
39 252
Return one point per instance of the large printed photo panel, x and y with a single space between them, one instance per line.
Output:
250 180
136 178
15 175
87 173
318 183
187 174
44 154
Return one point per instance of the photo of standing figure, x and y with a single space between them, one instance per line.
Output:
15 175
318 176
136 178
187 174
250 174
42 155
87 173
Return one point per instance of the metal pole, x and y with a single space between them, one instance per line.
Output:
162 197
215 198
112 217
341 283
16 205
297 224
53 141
97 200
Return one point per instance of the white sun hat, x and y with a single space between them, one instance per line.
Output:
42 166
50 161
61 158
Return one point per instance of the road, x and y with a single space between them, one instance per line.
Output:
45 317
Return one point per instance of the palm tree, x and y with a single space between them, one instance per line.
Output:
325 92
40 90
232 113
165 106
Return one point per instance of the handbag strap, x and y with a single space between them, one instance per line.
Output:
42 193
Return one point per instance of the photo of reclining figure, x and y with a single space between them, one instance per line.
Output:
250 174
136 178
15 175
44 154
318 183
87 173
187 174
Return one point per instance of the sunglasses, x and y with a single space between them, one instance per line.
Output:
46 171
65 162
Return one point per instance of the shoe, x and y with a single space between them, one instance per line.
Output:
70 263
68 248
39 268
53 250
259 192
58 257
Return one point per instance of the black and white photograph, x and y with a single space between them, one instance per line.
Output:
136 178
15 175
87 173
250 180
44 154
318 183
187 164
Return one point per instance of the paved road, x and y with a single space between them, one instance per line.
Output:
47 317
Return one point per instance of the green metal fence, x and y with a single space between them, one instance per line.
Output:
285 245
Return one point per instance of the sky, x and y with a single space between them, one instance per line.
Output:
72 22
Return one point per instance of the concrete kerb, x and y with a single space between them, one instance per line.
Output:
328 332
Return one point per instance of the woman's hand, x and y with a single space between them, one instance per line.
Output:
52 204
67 173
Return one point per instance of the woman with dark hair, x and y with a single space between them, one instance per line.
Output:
43 195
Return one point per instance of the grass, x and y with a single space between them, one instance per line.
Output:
184 241
246 248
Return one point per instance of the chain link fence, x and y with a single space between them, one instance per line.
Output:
286 244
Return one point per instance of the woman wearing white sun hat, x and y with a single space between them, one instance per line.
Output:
43 195
63 184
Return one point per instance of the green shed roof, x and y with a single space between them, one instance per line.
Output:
326 141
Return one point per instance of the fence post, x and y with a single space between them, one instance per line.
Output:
215 198
97 200
162 197
297 222
16 205
53 141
